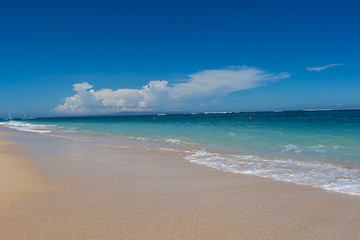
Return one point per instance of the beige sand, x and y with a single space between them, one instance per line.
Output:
18 182
105 193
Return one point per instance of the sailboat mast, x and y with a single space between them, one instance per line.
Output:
9 115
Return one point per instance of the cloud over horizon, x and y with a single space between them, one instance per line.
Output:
319 69
159 95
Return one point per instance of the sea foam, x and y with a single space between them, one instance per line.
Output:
28 127
317 174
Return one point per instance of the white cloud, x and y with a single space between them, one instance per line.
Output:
319 69
159 95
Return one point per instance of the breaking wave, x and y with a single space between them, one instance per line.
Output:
317 174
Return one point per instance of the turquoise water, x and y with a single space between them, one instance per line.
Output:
293 146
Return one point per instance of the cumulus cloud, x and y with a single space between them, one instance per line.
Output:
319 69
160 95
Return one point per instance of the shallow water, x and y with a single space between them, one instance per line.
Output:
317 148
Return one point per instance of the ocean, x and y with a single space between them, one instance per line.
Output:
315 148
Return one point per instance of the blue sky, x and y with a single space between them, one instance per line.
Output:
46 47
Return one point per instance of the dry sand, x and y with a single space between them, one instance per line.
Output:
62 189
18 182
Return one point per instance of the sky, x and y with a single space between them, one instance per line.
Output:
60 58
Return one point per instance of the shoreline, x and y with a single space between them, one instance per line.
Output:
335 171
104 193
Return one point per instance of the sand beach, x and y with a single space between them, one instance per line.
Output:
53 188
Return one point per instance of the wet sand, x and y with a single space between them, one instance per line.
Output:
53 188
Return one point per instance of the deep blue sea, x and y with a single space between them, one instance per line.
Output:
316 148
